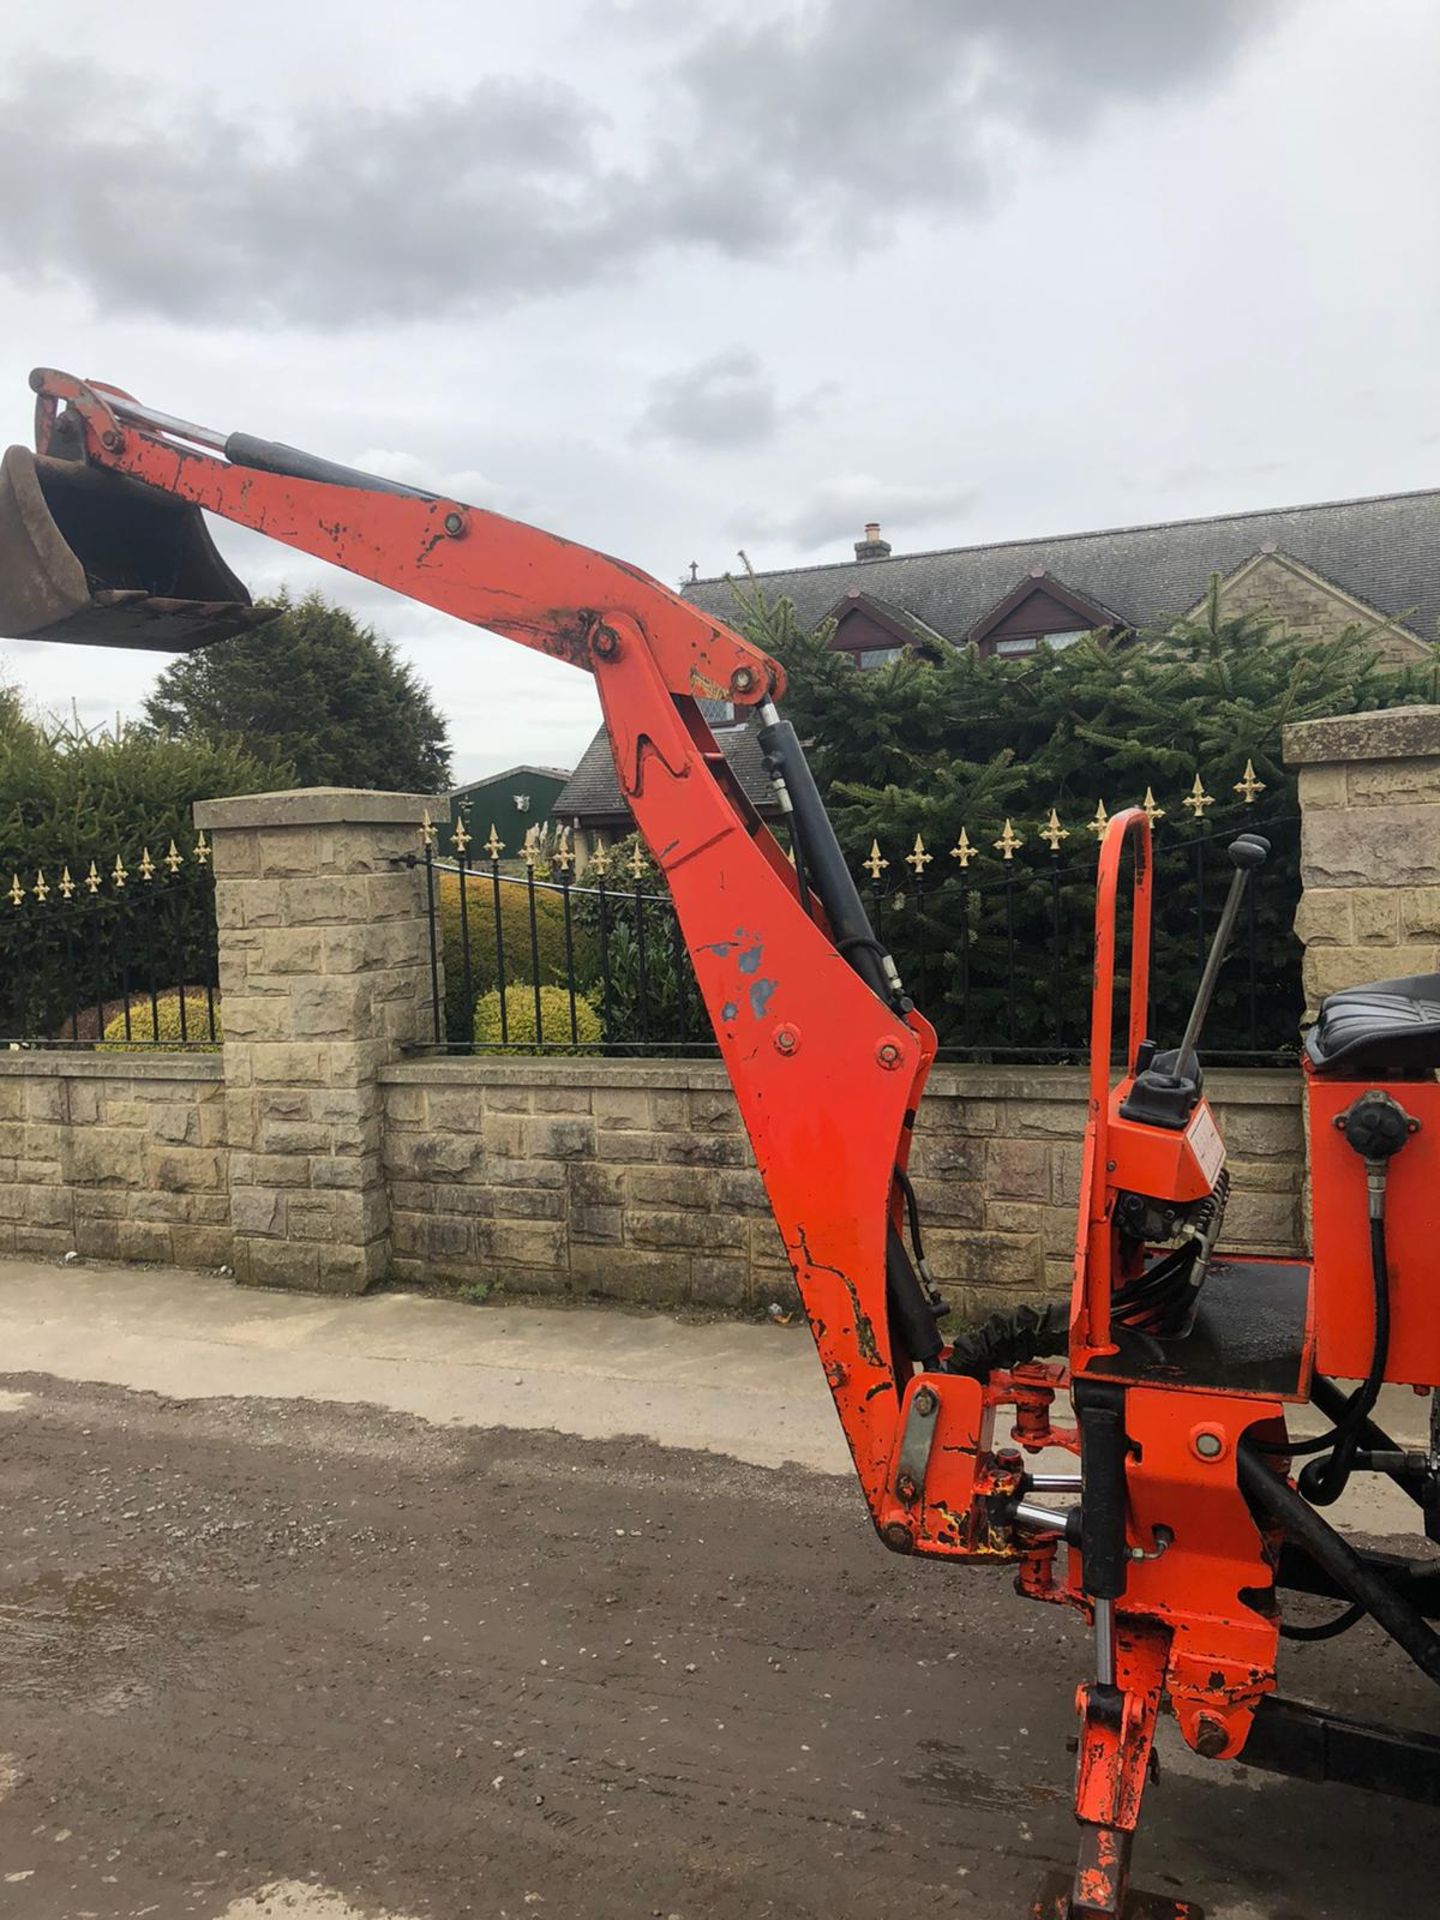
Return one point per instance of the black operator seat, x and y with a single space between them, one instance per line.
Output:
1388 1030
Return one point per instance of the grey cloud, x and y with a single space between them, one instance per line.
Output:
726 401
821 126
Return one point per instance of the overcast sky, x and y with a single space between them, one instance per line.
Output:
675 279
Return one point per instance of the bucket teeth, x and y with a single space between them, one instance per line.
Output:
91 556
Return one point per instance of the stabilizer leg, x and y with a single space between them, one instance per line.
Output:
1117 1734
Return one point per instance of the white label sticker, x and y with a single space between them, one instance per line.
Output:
1204 1138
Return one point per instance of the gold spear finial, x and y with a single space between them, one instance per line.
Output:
963 851
1007 843
147 865
1198 799
174 859
876 864
918 858
1098 825
41 889
1053 833
1152 812
494 846
1248 785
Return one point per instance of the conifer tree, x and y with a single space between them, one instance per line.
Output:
964 742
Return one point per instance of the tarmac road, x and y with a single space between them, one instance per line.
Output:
280 1653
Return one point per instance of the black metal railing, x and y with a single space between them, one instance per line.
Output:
1002 963
101 953
535 960
525 957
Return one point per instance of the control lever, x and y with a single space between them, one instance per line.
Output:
1247 852
1167 1085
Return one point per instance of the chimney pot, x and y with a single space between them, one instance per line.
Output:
872 547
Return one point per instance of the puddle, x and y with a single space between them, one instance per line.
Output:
53 1625
65 1634
945 1777
12 1402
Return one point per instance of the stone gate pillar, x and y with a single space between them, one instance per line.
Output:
1369 848
324 976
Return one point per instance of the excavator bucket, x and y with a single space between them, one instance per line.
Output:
94 556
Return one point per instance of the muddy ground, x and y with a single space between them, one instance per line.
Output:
248 1645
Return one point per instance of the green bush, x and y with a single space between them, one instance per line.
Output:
68 796
165 1020
520 1032
515 938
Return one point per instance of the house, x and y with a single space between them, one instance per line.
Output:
1318 569
592 806
511 802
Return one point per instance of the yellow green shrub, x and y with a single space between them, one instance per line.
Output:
165 1023
519 1031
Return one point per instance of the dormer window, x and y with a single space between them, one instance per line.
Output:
1039 608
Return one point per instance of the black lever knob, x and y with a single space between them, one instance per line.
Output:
1249 850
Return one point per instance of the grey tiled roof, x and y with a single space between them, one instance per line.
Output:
592 793
1385 551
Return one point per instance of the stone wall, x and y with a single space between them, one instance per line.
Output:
635 1181
120 1156
1370 846
320 1150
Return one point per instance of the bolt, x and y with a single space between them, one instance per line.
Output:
786 1040
742 680
454 525
1211 1739
110 440
889 1055
907 1488
925 1402
1209 1444
607 643
1008 1459
898 1537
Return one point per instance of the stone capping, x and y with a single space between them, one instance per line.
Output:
1253 1086
1394 733
37 1064
315 807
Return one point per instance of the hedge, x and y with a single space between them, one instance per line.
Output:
519 1029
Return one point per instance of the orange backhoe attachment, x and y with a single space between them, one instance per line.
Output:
1184 1526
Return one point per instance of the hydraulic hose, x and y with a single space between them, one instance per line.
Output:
1272 1495
1326 1485
1323 1481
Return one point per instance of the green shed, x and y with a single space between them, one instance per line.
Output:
512 802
